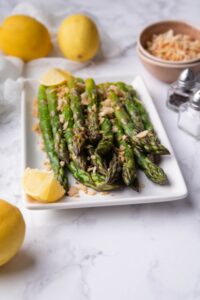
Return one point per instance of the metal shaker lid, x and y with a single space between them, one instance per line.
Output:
186 79
195 100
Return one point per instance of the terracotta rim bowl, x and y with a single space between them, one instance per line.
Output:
161 27
166 72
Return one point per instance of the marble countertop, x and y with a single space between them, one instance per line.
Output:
148 251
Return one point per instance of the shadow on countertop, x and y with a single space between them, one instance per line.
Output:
22 262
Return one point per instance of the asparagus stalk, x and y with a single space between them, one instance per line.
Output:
47 134
114 170
79 130
106 142
112 173
92 111
67 114
144 140
152 171
144 116
130 107
127 155
135 185
59 140
97 161
81 175
93 180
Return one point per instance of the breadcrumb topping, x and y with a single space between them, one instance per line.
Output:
36 128
35 108
73 192
174 47
84 99
47 164
142 134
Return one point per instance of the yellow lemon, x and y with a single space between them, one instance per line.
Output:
42 186
78 38
55 77
12 231
24 37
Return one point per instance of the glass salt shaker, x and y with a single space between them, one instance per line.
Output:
189 116
179 91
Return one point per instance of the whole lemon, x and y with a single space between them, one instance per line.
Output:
24 37
12 231
78 38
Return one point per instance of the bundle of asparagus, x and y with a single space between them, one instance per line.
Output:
101 134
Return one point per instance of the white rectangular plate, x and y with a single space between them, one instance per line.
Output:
150 192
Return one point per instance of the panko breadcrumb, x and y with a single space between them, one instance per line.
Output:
84 99
91 192
142 134
174 47
73 192
35 108
41 145
47 164
82 187
36 128
104 193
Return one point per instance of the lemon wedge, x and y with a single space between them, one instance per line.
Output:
55 77
42 186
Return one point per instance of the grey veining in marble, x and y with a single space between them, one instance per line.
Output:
135 252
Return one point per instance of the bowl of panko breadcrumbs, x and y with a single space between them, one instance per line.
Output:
166 48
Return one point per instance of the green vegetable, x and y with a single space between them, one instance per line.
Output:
59 140
106 142
67 114
47 135
92 111
127 154
79 130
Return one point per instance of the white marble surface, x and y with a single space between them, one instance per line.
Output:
132 252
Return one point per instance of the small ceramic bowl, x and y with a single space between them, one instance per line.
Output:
164 26
166 72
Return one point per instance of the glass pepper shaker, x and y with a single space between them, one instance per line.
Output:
189 116
179 92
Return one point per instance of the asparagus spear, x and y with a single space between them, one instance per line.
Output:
112 173
123 117
103 185
59 140
80 84
145 118
97 161
92 111
106 142
114 170
128 162
135 185
149 126
152 171
47 134
79 130
155 173
81 175
94 180
68 133
130 107
142 140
